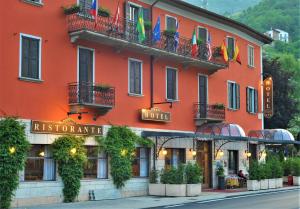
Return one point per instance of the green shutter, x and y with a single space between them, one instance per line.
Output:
237 96
256 101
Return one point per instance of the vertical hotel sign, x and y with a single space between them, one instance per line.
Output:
268 97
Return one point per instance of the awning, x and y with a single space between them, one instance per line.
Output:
272 134
221 129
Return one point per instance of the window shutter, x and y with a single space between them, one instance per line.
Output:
247 100
229 95
34 58
25 57
237 96
127 17
131 77
256 101
230 47
137 81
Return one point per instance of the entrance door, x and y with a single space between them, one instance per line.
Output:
85 74
204 161
202 82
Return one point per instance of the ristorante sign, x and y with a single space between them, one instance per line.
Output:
65 127
155 114
268 97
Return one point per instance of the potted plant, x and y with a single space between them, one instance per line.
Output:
219 106
193 174
270 175
296 171
278 172
155 188
72 9
169 33
221 177
101 87
103 12
175 185
287 171
148 25
217 52
253 183
264 175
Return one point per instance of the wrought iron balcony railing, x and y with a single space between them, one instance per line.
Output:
92 95
209 112
103 29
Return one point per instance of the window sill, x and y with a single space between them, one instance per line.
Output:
251 67
252 113
232 110
32 80
95 179
135 95
34 3
172 100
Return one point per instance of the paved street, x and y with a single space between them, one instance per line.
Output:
278 200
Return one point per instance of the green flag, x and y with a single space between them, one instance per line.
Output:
141 27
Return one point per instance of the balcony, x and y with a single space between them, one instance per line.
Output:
205 113
125 36
100 98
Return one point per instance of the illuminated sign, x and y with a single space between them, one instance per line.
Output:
268 97
65 127
155 114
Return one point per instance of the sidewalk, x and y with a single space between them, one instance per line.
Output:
150 201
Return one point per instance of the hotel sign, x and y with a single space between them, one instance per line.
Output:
155 114
65 127
268 97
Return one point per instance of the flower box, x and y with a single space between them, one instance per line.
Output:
264 184
176 190
296 180
253 185
279 182
157 189
193 190
272 183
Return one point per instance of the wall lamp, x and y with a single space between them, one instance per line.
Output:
194 153
247 153
262 154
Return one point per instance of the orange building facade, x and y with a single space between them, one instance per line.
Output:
97 71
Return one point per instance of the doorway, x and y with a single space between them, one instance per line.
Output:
204 160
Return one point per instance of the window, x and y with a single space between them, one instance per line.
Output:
251 56
252 98
135 77
40 164
85 6
202 35
233 95
233 161
134 12
174 157
96 165
172 84
230 47
30 57
171 23
140 165
37 2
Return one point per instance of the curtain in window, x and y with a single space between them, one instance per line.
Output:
143 162
49 165
102 166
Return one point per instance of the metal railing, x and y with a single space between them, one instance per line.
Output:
126 30
91 94
206 111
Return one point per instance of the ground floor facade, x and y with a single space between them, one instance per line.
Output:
41 184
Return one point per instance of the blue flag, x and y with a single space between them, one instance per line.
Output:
156 31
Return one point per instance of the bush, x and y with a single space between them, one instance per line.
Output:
13 150
296 167
287 166
72 9
265 171
276 167
153 177
173 175
103 12
70 154
254 171
193 173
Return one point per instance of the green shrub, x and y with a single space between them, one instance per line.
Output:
103 12
70 154
153 177
254 171
276 167
173 175
13 150
296 167
265 171
193 173
120 144
288 166
148 25
220 171
72 9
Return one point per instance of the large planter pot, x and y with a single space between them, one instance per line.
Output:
193 190
253 185
264 184
272 183
221 182
296 180
157 189
285 179
279 182
176 190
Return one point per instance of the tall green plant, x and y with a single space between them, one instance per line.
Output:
296 167
173 175
254 171
120 144
193 173
70 154
13 150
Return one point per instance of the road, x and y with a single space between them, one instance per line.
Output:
278 200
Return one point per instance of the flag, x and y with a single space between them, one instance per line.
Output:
194 44
117 16
224 51
156 31
236 56
208 44
93 10
141 27
176 36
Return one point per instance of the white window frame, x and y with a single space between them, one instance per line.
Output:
40 57
252 98
228 99
140 61
234 41
94 62
166 20
249 56
135 5
39 3
176 70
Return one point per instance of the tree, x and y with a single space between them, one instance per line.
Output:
285 104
